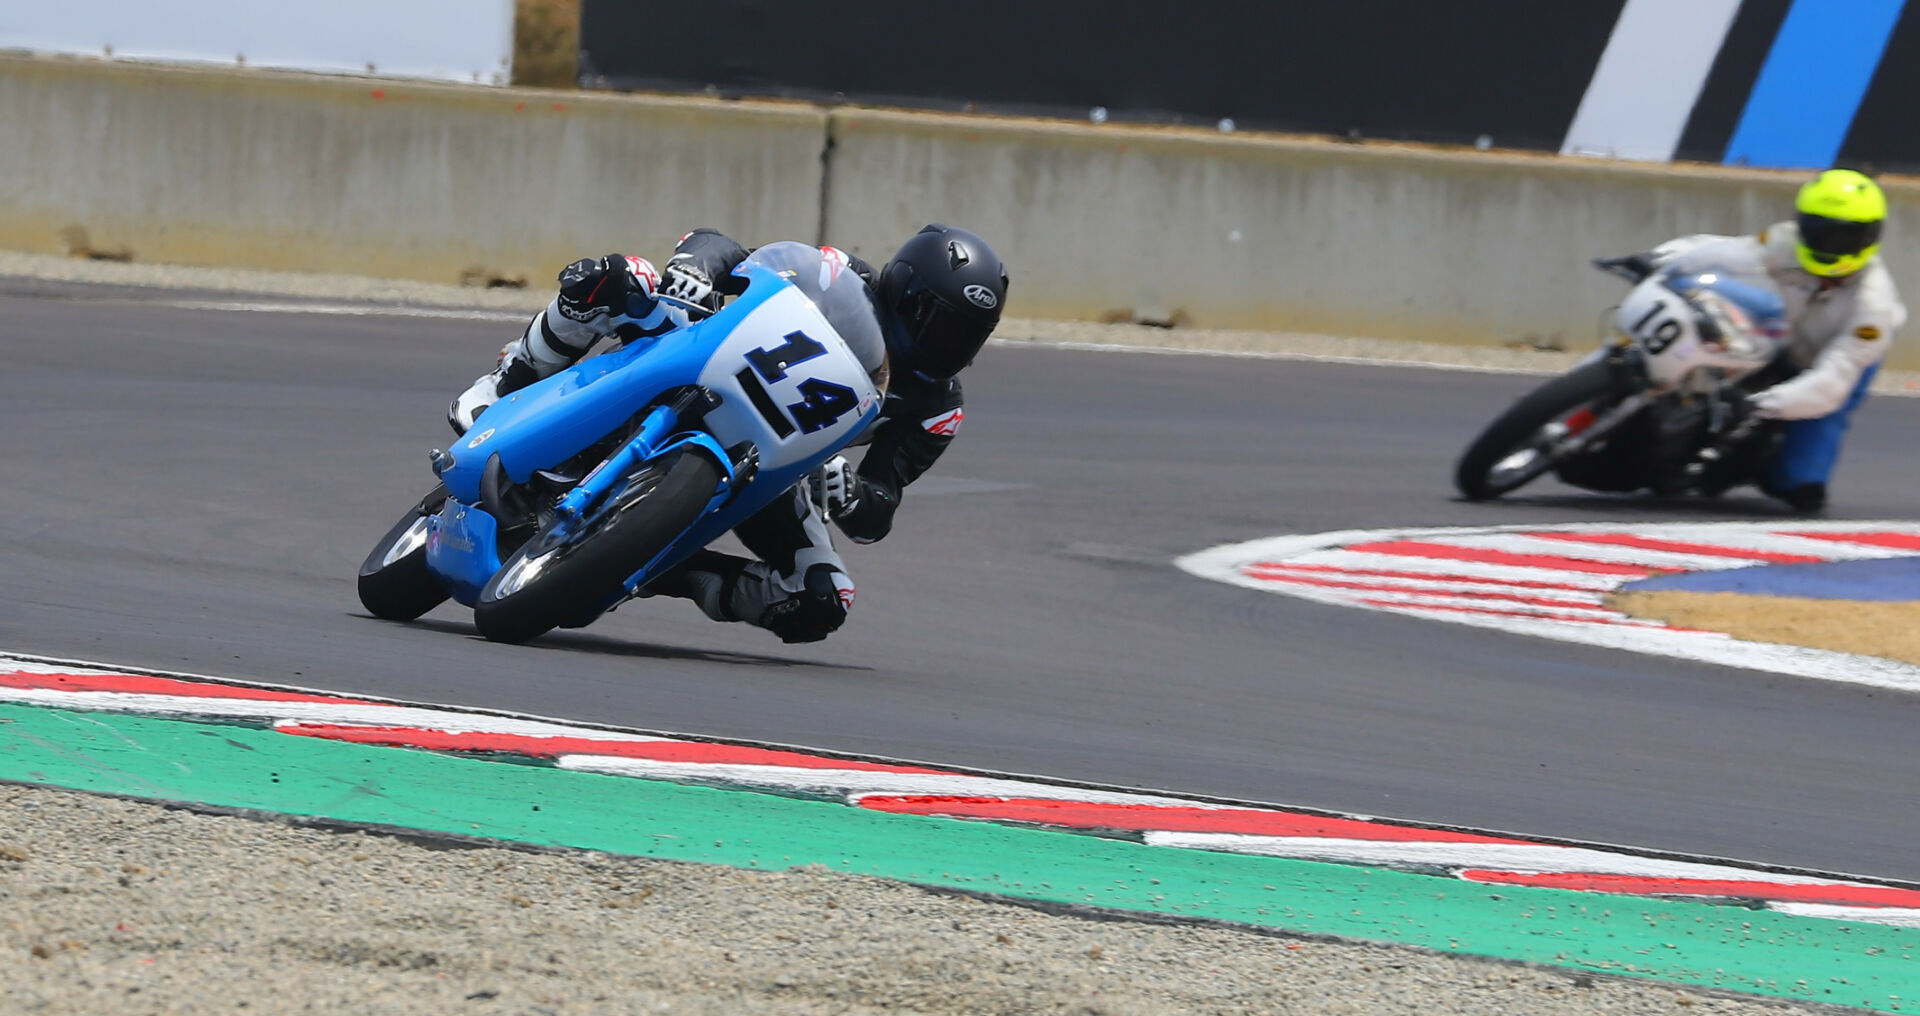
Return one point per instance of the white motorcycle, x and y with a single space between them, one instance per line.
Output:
1656 409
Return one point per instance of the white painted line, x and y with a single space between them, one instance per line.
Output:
855 783
853 787
1660 560
1265 354
1897 916
349 309
1440 569
1530 858
1262 565
340 714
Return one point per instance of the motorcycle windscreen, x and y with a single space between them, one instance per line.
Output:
1740 307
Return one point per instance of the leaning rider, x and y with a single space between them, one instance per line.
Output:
937 300
1844 309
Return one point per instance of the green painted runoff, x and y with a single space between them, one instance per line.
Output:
236 766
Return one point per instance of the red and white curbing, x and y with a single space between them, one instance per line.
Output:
898 788
1552 581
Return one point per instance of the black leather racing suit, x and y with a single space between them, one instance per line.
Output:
917 423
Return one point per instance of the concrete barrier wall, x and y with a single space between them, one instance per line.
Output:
1273 234
426 182
407 180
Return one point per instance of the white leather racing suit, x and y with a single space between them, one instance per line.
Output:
1841 330
1841 327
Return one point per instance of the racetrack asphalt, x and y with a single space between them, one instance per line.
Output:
193 490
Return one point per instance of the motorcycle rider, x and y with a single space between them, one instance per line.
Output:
1844 310
937 299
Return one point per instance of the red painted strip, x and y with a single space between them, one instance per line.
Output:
1614 619
1449 552
1898 541
1637 885
1384 588
1679 547
551 747
1161 818
140 684
1431 576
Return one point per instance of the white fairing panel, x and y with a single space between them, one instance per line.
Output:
792 400
1712 307
1662 325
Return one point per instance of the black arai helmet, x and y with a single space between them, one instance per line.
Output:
940 297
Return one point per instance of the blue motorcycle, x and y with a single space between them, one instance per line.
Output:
567 497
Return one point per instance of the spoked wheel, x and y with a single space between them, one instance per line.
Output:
557 575
1517 447
394 581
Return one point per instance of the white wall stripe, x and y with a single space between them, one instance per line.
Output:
1655 64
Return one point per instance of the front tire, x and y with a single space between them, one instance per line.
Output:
545 584
394 581
1514 449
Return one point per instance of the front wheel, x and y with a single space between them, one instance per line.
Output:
550 581
394 581
1516 448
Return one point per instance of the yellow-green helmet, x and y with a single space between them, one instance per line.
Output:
1840 212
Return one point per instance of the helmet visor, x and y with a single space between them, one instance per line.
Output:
945 340
1828 240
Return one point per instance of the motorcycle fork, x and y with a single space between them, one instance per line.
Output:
660 424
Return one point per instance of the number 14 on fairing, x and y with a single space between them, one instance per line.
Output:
822 402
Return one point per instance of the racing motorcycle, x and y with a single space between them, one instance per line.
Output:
564 499
1659 407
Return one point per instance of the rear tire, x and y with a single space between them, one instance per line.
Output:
394 581
1512 451
543 586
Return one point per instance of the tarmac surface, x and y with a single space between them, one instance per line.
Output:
193 490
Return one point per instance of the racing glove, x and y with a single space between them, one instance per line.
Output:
685 282
594 289
1751 409
836 488
700 271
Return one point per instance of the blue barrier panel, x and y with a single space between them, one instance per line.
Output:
1812 83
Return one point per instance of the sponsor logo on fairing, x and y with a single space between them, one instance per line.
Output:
945 424
981 296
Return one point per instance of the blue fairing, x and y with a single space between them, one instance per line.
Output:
463 549
551 421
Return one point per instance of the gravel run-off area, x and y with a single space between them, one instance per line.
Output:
110 906
116 906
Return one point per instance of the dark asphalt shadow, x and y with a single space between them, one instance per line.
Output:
1607 507
601 645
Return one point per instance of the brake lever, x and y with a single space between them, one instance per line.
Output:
695 311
